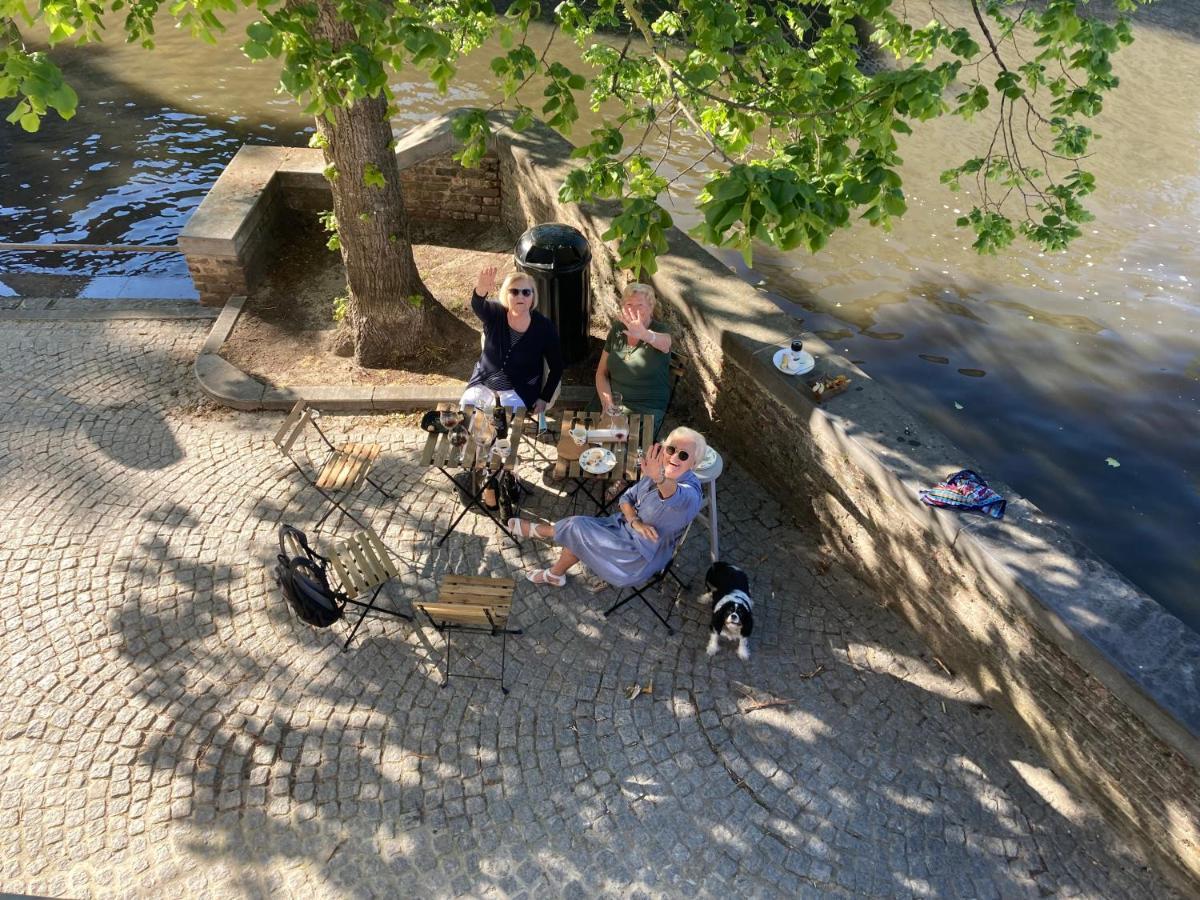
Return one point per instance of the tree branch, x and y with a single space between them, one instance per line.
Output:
635 16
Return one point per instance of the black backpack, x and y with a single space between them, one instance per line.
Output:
302 576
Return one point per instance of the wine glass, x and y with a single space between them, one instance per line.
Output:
797 348
483 432
617 420
613 409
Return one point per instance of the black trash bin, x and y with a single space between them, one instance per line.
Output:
557 257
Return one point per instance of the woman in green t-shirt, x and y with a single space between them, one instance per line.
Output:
636 362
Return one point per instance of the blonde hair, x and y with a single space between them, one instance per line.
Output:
692 435
638 287
507 282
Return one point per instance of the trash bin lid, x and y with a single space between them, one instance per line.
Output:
553 246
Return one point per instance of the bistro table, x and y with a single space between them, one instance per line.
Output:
439 453
641 437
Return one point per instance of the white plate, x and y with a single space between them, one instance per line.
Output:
783 360
710 457
597 460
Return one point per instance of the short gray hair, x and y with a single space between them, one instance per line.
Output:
692 435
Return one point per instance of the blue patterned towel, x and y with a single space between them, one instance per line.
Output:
965 490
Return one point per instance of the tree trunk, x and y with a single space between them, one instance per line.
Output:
393 315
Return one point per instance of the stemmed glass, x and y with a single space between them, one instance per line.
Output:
614 405
617 420
483 432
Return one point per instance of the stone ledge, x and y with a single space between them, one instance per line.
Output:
224 325
227 384
230 386
59 309
223 223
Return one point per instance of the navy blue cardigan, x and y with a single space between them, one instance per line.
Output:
523 365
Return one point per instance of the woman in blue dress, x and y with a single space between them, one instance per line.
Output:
628 547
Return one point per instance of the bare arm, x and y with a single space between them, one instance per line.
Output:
638 328
603 386
484 285
659 340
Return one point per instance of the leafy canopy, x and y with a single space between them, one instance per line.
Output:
797 109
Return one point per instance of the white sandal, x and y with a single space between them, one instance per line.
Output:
545 576
521 528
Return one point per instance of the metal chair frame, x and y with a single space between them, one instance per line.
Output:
445 611
626 594
301 416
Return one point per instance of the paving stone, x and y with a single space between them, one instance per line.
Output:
170 727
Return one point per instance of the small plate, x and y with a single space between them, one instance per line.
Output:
783 362
710 457
597 460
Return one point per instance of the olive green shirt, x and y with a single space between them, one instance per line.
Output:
640 374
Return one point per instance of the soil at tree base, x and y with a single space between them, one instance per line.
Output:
287 334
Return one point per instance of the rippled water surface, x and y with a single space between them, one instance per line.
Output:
1073 377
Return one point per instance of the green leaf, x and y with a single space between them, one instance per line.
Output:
373 177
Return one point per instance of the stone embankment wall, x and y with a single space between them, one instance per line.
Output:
1102 680
231 236
1099 677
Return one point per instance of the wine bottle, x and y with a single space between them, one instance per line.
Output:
498 418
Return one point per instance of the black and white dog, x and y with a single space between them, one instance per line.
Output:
732 615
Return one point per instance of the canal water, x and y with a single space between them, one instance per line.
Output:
1073 377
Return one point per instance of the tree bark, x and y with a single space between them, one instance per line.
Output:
393 315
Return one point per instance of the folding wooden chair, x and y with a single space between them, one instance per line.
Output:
624 595
473 604
344 469
361 564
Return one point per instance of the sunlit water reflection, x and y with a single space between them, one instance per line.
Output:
1046 369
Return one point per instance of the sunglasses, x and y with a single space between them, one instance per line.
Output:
524 292
681 455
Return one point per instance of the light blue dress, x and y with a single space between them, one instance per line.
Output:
617 553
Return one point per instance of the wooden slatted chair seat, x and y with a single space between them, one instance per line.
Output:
471 600
345 469
347 466
472 603
362 563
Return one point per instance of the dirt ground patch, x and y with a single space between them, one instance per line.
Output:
286 333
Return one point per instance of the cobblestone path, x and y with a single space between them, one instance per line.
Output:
169 730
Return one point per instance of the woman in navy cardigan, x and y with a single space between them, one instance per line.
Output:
520 346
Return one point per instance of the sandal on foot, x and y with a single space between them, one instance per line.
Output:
521 528
545 576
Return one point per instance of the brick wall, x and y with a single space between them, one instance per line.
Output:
230 239
217 278
441 189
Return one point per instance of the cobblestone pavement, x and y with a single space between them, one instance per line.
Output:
169 729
